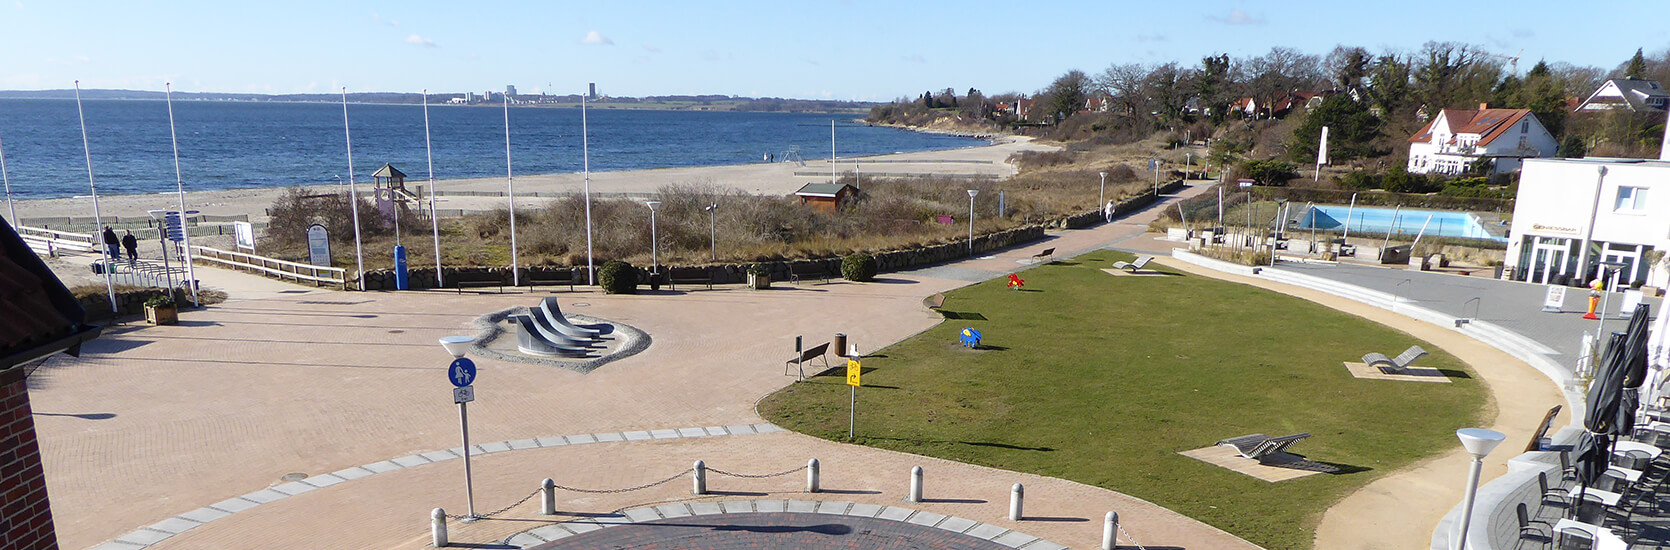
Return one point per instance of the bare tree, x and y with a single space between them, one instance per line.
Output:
1125 85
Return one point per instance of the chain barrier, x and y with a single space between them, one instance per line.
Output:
498 511
628 489
755 476
1128 537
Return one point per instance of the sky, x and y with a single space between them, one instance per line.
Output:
811 49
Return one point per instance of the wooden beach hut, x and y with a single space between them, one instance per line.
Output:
826 196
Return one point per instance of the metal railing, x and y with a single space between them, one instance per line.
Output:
273 267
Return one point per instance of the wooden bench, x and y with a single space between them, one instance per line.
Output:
1047 253
689 276
476 278
934 302
533 278
814 352
809 270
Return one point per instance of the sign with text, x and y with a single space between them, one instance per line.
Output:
1632 298
1555 299
318 246
245 234
854 371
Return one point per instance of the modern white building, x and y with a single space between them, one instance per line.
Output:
1457 138
1627 94
1571 215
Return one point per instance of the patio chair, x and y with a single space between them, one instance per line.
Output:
1529 526
1397 364
1133 267
1260 447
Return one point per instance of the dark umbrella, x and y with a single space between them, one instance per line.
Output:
1605 392
1590 457
1634 369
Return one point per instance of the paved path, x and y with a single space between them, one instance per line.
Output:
832 530
242 399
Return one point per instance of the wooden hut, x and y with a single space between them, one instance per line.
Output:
826 196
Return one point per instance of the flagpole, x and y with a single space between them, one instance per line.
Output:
832 176
510 187
585 151
353 194
1322 154
1348 212
434 222
180 188
8 182
98 221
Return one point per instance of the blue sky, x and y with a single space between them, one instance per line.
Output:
841 49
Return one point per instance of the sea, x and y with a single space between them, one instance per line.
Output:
235 145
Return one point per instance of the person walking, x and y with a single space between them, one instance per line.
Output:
112 247
131 243
1107 212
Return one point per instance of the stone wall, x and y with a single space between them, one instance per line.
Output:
25 515
127 302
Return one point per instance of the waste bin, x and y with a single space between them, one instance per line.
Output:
98 268
840 345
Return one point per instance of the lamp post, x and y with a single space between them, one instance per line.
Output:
1478 442
713 230
1102 197
971 194
654 255
338 182
1609 270
462 374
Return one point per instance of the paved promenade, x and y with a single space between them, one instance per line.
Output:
291 417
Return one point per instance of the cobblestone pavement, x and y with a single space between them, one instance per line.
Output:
775 530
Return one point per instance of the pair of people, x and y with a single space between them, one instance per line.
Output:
113 247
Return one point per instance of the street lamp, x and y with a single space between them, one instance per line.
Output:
462 374
1102 198
338 182
1478 442
1608 270
971 194
713 229
654 255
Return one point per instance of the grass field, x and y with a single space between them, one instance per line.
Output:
1103 379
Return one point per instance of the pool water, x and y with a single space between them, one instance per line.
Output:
1407 222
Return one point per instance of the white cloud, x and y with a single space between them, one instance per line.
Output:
421 41
1237 17
651 48
594 37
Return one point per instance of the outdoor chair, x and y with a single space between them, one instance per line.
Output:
1260 447
1133 267
1397 364
1556 494
1528 526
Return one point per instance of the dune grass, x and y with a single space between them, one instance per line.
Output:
1103 379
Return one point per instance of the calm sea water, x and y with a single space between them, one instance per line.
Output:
227 145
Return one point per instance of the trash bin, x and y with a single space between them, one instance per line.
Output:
98 268
840 345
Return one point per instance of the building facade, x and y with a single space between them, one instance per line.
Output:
1457 138
1627 94
1573 215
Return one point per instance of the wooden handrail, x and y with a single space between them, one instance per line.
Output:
272 266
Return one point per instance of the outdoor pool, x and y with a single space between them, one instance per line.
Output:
1407 222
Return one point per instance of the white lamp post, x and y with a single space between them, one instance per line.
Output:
1478 442
654 255
971 194
457 346
1102 198
713 229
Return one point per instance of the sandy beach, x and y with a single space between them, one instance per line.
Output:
759 178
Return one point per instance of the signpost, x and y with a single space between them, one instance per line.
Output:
462 374
854 372
245 235
318 246
1555 299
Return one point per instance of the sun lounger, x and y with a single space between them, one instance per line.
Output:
550 332
1260 447
553 313
530 341
1133 267
1396 364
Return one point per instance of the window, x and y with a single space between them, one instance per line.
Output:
1631 198
1525 127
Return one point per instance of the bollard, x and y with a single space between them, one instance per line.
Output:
1016 493
549 498
699 476
812 476
915 484
1110 527
437 527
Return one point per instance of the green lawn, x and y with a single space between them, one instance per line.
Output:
1103 379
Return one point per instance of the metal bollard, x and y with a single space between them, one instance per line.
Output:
812 476
699 477
437 527
549 498
1016 493
915 484
1110 527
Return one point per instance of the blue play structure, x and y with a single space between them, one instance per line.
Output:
970 338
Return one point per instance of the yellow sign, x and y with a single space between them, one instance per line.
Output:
853 372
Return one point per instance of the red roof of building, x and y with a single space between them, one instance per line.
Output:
1487 123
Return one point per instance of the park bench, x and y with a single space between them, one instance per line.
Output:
811 270
1041 257
1260 447
532 278
1397 364
689 276
934 302
477 278
814 352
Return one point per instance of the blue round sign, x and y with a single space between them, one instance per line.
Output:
461 372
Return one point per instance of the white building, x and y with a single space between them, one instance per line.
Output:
1573 213
1629 94
1457 138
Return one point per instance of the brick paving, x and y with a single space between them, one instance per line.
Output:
774 530
286 380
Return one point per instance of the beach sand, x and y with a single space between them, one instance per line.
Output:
778 178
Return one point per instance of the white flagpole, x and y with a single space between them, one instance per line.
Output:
434 222
98 221
8 182
1322 154
180 187
832 176
585 152
510 186
1348 212
353 194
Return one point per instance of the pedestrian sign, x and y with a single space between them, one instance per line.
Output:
461 372
853 371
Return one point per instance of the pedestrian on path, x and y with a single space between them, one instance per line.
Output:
112 247
1107 212
131 243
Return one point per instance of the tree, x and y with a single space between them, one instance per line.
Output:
1271 172
1438 77
1348 66
1637 66
1572 148
1067 95
1351 129
1124 85
1210 86
1543 93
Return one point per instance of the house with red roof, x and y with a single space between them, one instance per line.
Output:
1457 138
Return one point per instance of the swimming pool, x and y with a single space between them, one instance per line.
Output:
1408 222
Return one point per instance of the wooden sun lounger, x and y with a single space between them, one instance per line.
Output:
1261 447
1133 267
1396 364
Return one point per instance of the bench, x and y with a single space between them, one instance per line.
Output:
689 276
476 278
809 270
814 352
1135 266
1040 257
1397 364
1261 448
532 278
934 302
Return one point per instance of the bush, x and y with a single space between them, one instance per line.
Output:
858 267
1358 181
1400 181
758 270
618 277
160 300
1271 172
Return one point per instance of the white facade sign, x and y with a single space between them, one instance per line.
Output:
318 246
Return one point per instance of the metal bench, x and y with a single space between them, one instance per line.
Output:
1260 447
1042 257
814 352
809 270
689 276
476 278
934 302
553 277
1396 364
1135 266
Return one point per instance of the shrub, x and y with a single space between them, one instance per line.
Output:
618 277
1400 181
160 300
1271 172
1242 256
758 269
858 267
1358 181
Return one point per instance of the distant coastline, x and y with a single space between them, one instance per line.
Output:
696 103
